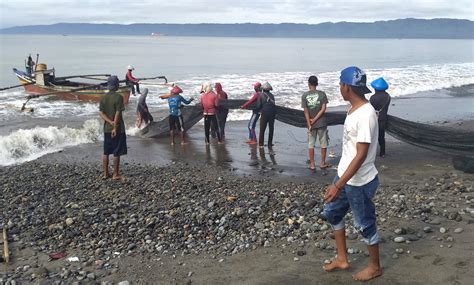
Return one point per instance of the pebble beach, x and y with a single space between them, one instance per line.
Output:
202 223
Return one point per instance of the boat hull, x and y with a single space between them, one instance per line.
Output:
66 93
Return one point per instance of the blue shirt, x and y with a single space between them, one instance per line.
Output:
174 103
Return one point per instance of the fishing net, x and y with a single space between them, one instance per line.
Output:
455 142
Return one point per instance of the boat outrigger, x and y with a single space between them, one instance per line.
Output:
44 82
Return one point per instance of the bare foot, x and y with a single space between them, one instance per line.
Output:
119 178
104 176
312 167
367 273
184 143
324 166
172 143
336 264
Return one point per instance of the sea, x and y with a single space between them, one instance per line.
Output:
411 66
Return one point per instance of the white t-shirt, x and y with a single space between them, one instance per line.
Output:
360 126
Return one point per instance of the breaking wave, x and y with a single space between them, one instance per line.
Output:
28 144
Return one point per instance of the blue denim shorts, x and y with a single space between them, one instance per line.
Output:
359 200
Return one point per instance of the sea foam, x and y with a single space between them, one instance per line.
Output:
28 144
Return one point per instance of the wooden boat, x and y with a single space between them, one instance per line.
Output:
44 82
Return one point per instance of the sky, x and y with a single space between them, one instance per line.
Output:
44 12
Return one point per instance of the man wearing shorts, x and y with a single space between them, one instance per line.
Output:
314 104
357 180
115 140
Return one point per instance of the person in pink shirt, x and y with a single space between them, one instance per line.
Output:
222 111
255 114
210 103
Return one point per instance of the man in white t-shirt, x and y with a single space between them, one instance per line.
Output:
357 180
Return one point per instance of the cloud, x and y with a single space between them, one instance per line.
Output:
30 12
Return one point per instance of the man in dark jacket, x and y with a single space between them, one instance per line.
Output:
267 109
381 101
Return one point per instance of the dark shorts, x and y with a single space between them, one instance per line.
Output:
176 123
115 145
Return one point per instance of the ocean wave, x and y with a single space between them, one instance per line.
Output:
29 144
288 87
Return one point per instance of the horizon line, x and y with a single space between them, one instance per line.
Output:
237 23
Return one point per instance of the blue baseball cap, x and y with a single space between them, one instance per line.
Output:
356 77
112 83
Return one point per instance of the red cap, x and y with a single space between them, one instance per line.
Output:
257 84
176 90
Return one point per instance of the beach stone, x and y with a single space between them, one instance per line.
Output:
458 230
123 283
399 250
399 239
69 221
395 256
427 229
442 230
352 236
286 202
259 226
301 252
435 221
400 231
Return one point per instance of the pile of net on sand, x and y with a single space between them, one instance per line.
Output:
455 142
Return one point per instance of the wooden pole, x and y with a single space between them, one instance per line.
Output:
15 86
36 63
85 75
6 253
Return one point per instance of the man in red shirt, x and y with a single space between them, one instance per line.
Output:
131 81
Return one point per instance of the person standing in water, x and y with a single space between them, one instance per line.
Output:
314 104
210 103
176 118
267 109
381 101
115 140
222 111
131 81
255 114
357 180
143 114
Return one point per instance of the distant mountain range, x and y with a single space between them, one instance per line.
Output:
403 28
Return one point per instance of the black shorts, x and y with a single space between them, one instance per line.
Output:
115 145
176 123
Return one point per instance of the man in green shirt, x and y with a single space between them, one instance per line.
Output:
314 104
115 140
